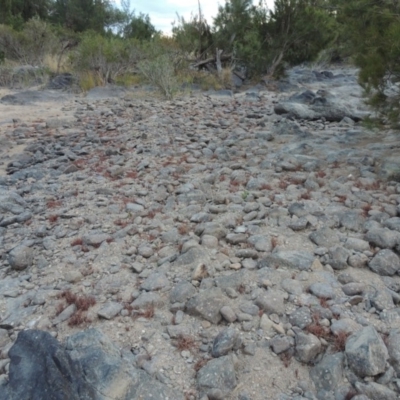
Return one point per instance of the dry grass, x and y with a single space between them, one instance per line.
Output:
286 358
366 209
54 203
147 313
283 185
82 304
53 218
185 342
131 174
183 229
339 341
200 364
305 196
265 186
77 242
350 394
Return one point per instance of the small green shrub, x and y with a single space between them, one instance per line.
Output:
160 72
106 57
29 46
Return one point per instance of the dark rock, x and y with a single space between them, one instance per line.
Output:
41 369
224 342
111 375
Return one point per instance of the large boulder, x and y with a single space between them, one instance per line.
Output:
88 367
313 106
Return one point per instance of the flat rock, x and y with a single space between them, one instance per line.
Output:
207 304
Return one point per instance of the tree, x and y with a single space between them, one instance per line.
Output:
298 30
16 12
139 27
82 15
239 29
373 31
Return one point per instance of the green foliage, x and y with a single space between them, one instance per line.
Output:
83 15
16 12
107 57
161 65
194 36
239 28
373 29
31 45
140 28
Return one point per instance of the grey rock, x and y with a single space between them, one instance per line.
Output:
385 262
383 238
217 374
353 288
280 343
110 310
95 239
292 286
382 300
324 237
224 342
207 304
20 257
393 346
366 353
328 373
155 281
358 260
182 292
272 301
301 260
322 290
390 169
375 391
345 325
393 224
338 257
307 347
228 314
301 317
111 375
65 314
147 299
357 244
351 220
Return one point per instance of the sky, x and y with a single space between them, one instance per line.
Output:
163 12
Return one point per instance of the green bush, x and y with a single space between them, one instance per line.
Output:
29 46
160 72
107 57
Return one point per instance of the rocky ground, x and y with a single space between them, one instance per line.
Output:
220 246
